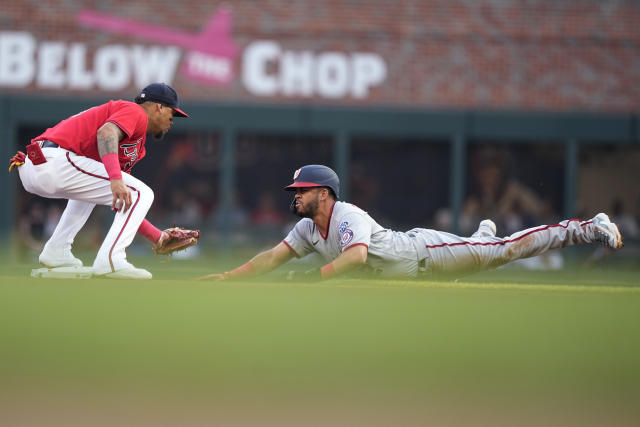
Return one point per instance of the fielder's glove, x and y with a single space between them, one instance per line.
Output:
176 239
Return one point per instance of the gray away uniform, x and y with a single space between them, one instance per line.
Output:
404 254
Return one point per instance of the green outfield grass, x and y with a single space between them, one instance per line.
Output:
557 347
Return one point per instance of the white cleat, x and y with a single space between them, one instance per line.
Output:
487 228
52 260
129 273
606 232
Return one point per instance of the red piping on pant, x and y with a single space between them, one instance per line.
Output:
122 229
504 242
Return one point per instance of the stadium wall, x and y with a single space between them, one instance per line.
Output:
517 55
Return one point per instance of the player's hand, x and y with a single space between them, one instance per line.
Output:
121 196
216 277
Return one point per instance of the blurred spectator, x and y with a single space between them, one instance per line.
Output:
502 198
36 225
183 209
202 190
235 217
267 219
177 170
267 213
363 187
443 220
32 226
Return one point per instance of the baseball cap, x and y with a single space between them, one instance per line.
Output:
163 94
315 176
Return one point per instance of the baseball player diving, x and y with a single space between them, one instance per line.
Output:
87 158
348 239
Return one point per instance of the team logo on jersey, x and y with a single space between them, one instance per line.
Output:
296 174
343 226
131 151
347 237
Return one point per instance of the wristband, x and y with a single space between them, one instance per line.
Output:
149 231
327 271
112 165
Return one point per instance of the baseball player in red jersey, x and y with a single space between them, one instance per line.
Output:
87 158
348 238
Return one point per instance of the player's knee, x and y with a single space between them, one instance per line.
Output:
146 195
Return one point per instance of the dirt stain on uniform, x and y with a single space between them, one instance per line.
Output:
513 251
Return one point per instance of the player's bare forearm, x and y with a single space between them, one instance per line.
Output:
353 257
271 259
108 136
259 264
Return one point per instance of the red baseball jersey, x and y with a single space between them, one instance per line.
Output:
79 133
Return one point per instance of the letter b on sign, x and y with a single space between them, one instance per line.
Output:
17 64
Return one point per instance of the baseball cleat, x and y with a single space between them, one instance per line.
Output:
606 232
52 260
129 273
487 228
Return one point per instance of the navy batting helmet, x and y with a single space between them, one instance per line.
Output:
315 176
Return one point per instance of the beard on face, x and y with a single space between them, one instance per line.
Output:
309 210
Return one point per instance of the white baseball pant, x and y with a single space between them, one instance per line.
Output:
85 183
449 253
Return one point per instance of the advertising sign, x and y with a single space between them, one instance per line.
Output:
161 53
